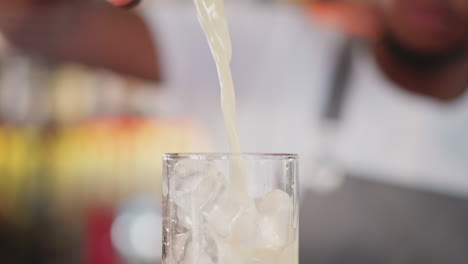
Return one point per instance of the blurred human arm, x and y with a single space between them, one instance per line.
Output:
88 32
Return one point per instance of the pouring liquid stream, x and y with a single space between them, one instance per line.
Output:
212 17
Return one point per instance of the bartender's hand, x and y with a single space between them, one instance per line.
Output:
124 3
92 32
15 13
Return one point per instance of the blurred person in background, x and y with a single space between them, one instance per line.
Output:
389 110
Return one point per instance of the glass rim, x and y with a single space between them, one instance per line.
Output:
229 156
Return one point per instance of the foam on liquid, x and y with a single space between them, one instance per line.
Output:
213 20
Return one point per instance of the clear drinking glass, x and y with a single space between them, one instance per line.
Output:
207 219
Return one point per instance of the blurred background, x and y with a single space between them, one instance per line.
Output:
80 164
80 147
81 161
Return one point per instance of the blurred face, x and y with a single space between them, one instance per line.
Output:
427 26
